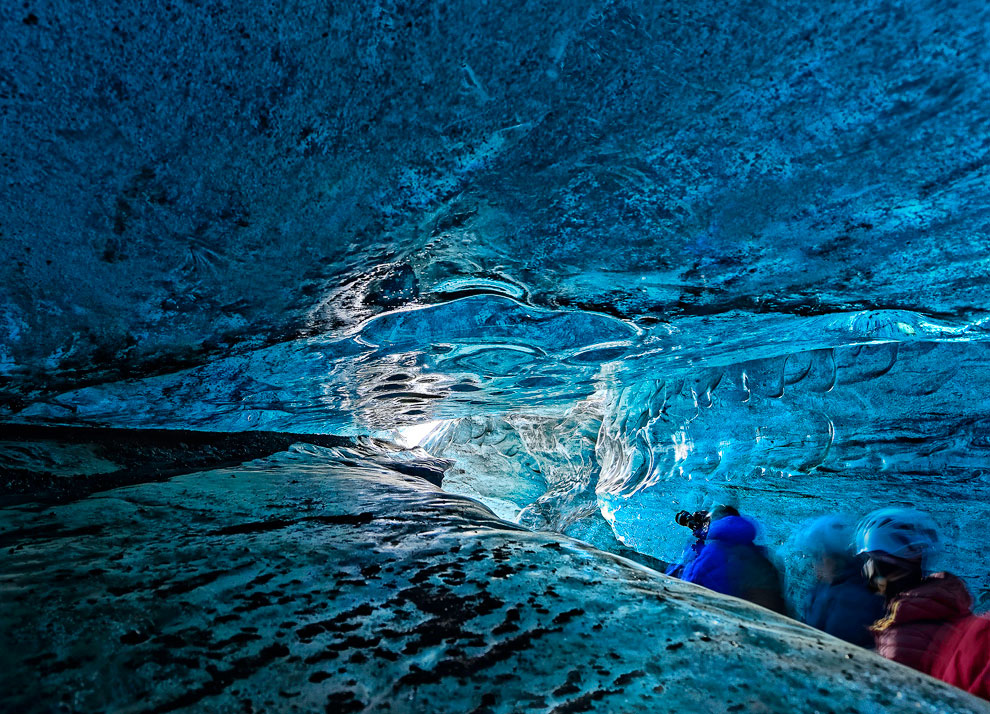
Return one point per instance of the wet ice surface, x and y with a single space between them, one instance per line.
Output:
317 579
478 355
788 418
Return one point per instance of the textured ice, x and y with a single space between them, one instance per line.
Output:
237 175
630 257
319 579
849 429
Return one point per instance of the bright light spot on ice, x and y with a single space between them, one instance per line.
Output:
410 436
682 447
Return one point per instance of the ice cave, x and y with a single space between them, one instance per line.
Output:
359 356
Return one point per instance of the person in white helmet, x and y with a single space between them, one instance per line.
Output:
841 603
922 610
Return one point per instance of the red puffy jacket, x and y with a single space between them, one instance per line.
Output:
918 620
964 660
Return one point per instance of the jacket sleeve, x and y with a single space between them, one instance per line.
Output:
688 556
850 618
709 569
964 660
813 608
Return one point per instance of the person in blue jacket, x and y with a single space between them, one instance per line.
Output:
698 523
841 603
731 563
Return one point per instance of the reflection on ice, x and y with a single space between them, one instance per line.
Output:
416 434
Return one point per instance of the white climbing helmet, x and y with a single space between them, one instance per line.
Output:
827 535
900 532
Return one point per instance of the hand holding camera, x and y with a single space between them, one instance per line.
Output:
694 521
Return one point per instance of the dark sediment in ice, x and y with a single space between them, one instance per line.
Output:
318 580
54 464
63 463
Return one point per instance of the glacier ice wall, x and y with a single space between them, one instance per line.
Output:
847 429
718 345
540 471
633 256
185 181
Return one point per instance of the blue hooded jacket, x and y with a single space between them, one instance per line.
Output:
845 608
691 552
731 563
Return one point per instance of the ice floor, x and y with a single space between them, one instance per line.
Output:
319 580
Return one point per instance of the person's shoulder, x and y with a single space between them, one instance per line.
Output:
962 660
943 590
732 529
853 595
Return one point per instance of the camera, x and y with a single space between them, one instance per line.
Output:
694 521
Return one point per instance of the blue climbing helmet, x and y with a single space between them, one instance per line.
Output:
904 533
830 535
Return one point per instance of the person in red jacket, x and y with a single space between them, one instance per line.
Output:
921 610
964 659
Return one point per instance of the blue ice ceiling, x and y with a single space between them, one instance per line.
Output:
674 253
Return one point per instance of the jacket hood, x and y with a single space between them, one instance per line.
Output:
941 596
732 529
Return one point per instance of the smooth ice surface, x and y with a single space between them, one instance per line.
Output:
319 579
